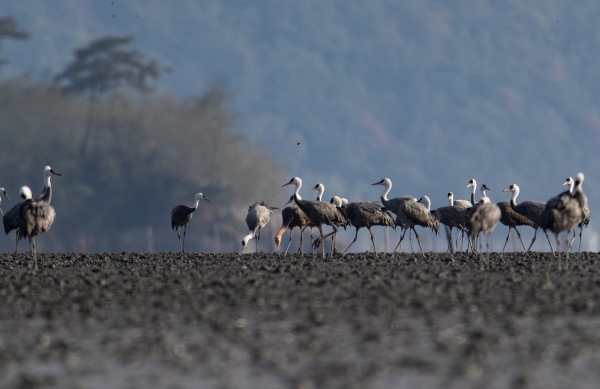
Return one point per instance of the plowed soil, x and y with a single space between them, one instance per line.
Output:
169 320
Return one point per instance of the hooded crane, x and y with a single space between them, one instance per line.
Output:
452 216
565 211
318 212
484 200
463 203
365 214
342 221
395 205
413 214
181 215
512 219
11 218
292 217
35 217
532 210
257 218
483 220
586 214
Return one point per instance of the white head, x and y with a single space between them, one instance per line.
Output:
386 182
484 187
25 193
579 179
294 181
472 184
425 201
200 196
569 181
451 198
336 200
48 172
344 201
321 188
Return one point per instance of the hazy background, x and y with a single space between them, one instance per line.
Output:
425 93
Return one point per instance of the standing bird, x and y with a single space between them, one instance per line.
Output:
321 189
586 214
396 206
512 219
365 214
452 216
532 210
565 211
258 216
35 217
483 220
11 219
318 212
181 215
413 214
292 217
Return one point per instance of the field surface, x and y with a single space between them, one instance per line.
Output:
167 320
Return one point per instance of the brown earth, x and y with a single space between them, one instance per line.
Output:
167 320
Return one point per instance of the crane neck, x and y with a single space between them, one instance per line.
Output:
451 200
513 200
571 186
427 203
473 194
196 203
387 186
321 191
297 197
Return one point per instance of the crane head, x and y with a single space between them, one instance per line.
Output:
294 181
4 193
472 183
25 193
569 181
201 196
513 188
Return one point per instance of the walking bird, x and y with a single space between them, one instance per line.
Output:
565 211
36 216
413 214
531 209
365 214
292 217
257 218
318 212
181 215
585 217
483 220
453 215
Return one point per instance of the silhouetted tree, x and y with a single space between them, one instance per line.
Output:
9 30
104 65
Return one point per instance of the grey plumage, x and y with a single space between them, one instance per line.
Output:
483 220
292 217
564 212
35 217
396 206
454 215
412 214
586 214
318 212
11 219
256 219
367 214
181 215
512 219
531 210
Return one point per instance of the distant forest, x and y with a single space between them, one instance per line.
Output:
126 160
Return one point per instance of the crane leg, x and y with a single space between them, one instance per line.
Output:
449 236
351 243
507 237
419 241
257 240
289 242
399 243
534 236
410 240
580 233
521 239
373 241
183 242
550 243
312 239
18 236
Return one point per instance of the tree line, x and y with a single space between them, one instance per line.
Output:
127 155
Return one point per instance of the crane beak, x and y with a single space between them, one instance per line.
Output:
55 173
378 183
5 195
291 181
204 197
506 190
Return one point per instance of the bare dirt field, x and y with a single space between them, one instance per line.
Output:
134 320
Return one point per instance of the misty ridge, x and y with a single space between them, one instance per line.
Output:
429 95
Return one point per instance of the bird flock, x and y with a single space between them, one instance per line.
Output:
563 213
